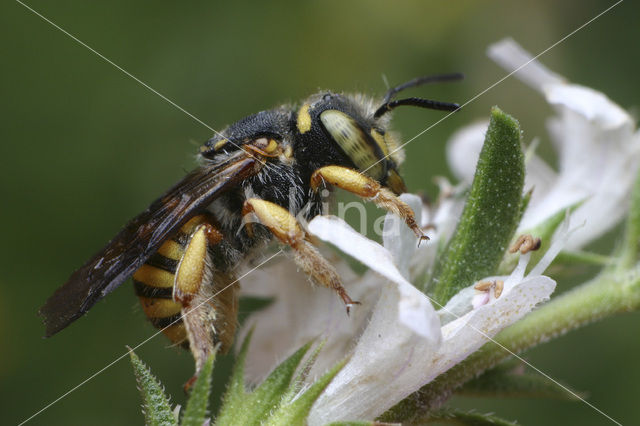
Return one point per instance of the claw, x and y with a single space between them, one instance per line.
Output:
422 238
347 300
349 305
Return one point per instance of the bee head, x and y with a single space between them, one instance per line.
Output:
352 131
329 129
260 130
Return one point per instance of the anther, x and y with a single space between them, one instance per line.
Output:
525 243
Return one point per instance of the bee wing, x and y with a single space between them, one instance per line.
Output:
140 238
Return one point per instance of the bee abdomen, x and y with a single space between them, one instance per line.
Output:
154 281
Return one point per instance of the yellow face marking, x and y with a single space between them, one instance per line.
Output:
354 142
220 144
380 140
304 119
192 267
153 277
159 308
171 249
288 152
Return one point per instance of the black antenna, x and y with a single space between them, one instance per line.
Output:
388 104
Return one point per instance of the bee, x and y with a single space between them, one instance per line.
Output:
185 249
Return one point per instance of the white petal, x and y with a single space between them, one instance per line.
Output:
480 299
390 362
462 303
466 334
302 312
590 104
398 238
373 379
598 150
511 56
469 298
414 310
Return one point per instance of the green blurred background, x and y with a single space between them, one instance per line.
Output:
84 148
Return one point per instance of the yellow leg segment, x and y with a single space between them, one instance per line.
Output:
286 228
365 187
208 309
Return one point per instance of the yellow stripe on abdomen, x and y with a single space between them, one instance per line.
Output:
153 277
171 249
159 308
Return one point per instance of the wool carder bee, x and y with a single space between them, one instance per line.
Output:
185 249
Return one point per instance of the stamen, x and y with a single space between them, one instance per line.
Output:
483 285
486 286
526 243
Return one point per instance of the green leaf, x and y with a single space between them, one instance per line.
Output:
301 377
295 412
526 198
196 411
467 418
268 396
235 396
510 379
632 232
491 212
155 404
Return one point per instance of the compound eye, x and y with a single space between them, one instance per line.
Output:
360 147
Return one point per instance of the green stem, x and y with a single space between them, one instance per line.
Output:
583 258
631 241
605 295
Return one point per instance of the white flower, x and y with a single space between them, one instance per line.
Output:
397 342
596 140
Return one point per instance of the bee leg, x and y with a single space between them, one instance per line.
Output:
286 228
208 306
365 187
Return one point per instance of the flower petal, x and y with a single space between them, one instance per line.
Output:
375 378
398 238
301 312
511 56
598 150
390 362
463 150
466 334
414 309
